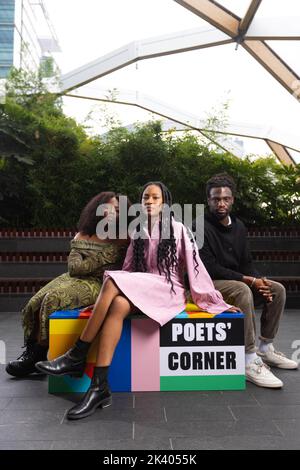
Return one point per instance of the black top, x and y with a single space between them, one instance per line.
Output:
225 252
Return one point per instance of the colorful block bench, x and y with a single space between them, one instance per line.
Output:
194 351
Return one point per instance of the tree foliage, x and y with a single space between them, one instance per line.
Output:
50 167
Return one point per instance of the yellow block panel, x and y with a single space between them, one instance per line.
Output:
190 307
60 343
202 315
67 326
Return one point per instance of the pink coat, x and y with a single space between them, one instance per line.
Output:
151 293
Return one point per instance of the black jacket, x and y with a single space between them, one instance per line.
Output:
225 252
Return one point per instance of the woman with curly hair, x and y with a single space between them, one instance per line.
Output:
89 257
152 280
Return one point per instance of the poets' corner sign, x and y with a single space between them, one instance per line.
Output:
196 347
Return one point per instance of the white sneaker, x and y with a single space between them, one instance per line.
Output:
277 359
259 373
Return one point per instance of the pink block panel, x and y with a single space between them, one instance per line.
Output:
145 375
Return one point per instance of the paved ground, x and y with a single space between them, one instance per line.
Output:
252 419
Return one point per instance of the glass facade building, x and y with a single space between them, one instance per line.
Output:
7 19
26 35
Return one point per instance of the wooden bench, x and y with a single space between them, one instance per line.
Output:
194 351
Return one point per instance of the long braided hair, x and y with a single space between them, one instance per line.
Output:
167 253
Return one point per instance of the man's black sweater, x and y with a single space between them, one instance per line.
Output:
225 252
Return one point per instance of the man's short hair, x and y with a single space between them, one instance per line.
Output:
221 180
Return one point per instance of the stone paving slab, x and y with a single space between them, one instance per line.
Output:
256 418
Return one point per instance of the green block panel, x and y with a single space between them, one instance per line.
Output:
200 382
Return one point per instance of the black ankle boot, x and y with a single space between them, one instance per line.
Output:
25 364
97 396
71 363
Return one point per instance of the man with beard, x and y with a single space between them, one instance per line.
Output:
227 258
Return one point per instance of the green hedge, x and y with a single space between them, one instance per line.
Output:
50 167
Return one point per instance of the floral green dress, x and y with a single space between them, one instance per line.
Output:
79 287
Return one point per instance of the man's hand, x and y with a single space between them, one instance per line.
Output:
263 286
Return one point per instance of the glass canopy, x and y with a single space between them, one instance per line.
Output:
186 60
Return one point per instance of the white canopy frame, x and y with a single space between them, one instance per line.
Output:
247 31
181 120
250 32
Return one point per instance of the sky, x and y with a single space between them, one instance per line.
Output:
196 82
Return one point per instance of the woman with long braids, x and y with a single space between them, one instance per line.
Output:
152 280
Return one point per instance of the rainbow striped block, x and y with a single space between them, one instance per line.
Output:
194 351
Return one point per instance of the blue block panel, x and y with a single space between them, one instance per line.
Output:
120 369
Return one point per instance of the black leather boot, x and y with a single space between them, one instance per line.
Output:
71 363
97 396
25 364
